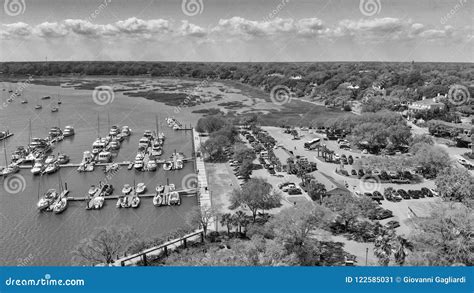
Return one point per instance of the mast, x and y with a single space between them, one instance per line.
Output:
5 152
98 126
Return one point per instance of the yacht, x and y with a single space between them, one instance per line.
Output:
141 187
151 165
126 189
63 159
167 166
104 157
143 142
68 131
50 159
135 202
51 168
174 198
37 167
47 199
125 131
138 164
55 131
114 131
12 168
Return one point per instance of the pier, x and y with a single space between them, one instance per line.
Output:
190 192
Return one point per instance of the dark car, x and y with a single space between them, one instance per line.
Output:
294 191
383 214
271 171
392 224
403 194
354 172
368 194
361 173
419 194
425 191
377 195
413 194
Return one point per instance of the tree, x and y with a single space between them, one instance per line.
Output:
316 191
214 148
201 217
104 246
445 237
239 220
455 184
226 221
345 206
432 159
243 153
256 194
401 248
383 249
210 124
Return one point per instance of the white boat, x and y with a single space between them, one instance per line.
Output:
51 168
87 157
161 136
120 137
172 187
99 202
125 131
50 159
143 143
138 165
135 202
93 190
111 167
63 159
38 107
54 109
151 165
114 145
68 131
12 168
157 200
148 133
126 202
114 131
47 199
179 165
55 131
37 167
159 188
141 187
119 202
60 205
126 189
104 157
167 166
174 198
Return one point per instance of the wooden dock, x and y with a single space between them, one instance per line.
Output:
191 191
74 165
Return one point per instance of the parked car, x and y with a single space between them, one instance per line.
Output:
403 194
293 191
392 224
377 196
353 172
425 191
413 194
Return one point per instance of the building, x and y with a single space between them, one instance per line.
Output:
428 104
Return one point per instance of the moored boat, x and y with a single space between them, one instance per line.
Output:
159 188
47 199
60 206
174 198
68 131
141 187
167 166
126 189
157 200
135 202
63 159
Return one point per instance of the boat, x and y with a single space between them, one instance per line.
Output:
55 132
87 157
46 98
179 165
143 143
171 187
93 190
38 107
119 137
59 102
151 165
12 168
138 164
5 135
157 200
167 165
104 157
148 134
126 131
135 202
60 205
50 159
120 201
51 168
98 202
126 189
25 101
19 154
107 189
111 167
54 109
114 131
125 202
68 131
63 159
37 167
159 188
141 187
114 145
47 199
174 198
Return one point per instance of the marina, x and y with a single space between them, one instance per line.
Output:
33 230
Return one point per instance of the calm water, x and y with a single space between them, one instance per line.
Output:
29 237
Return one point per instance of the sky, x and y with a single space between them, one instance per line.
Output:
237 30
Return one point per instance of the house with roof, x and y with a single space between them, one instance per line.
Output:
428 104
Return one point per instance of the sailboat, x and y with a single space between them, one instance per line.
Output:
10 169
61 204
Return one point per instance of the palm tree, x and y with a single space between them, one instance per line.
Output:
383 249
226 220
400 252
239 220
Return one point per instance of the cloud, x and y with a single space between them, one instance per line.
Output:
189 29
14 30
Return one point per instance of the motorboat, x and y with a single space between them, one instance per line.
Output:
47 199
148 134
54 109
46 98
125 131
60 206
111 167
63 159
126 202
38 144
157 200
119 137
114 131
114 145
139 157
5 134
51 168
174 198
12 168
171 187
68 131
167 166
151 165
24 101
38 107
138 165
104 157
161 136
93 190
37 167
119 202
55 131
107 189
126 189
50 159
159 188
179 165
135 202
141 187
96 203
143 143
87 157
19 154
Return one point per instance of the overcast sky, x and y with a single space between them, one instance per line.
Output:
237 30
